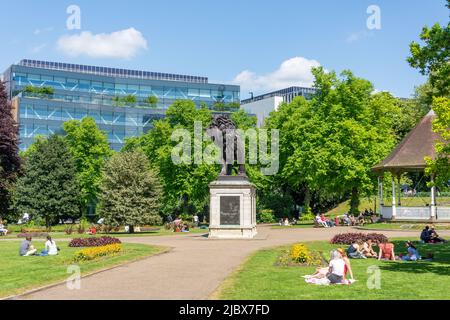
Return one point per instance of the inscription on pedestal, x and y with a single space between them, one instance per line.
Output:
230 213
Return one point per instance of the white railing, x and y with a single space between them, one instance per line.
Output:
413 213
416 213
443 213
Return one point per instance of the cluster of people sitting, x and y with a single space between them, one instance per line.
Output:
323 221
339 270
179 226
364 249
27 249
343 220
429 235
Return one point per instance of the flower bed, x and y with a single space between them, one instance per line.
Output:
348 238
97 252
93 242
299 255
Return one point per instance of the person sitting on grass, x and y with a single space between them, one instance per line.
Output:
386 251
26 248
434 237
51 249
3 230
336 269
367 249
425 236
185 228
354 251
348 267
413 253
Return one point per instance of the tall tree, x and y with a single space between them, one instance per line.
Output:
9 153
49 188
433 57
130 191
329 144
185 185
90 148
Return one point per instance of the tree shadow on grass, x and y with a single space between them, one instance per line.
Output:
440 264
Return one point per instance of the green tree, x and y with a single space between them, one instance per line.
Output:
185 186
10 162
90 149
328 145
440 167
49 188
130 191
433 57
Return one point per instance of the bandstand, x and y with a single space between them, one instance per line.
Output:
409 156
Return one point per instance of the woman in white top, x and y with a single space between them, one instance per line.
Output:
50 247
336 271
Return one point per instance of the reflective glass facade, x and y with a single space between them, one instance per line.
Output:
81 91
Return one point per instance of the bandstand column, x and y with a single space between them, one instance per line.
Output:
433 200
394 208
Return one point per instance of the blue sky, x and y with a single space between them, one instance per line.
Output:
262 45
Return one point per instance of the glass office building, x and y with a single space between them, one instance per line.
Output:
118 99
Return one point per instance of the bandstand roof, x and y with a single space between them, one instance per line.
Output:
410 154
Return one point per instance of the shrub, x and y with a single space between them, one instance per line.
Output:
93 242
266 216
97 252
348 238
307 217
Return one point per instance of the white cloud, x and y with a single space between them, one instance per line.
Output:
292 72
120 44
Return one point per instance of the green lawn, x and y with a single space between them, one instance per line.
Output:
259 279
369 203
405 226
19 274
57 234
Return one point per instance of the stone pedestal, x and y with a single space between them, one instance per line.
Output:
232 209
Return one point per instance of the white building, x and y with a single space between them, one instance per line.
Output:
263 105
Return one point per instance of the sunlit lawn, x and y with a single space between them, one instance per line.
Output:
58 233
18 274
260 279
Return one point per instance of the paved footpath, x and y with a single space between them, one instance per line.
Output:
193 269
